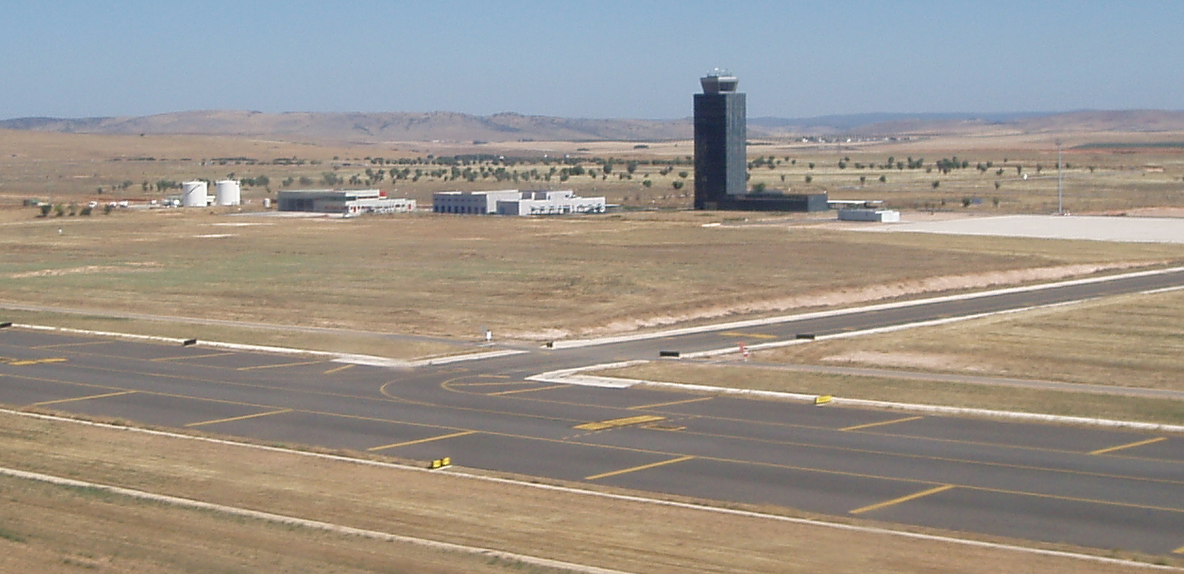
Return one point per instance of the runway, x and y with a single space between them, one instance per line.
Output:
1090 487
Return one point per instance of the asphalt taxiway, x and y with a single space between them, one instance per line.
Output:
1091 487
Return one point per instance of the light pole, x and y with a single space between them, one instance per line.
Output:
1060 183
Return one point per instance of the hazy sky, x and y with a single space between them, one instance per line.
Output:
593 58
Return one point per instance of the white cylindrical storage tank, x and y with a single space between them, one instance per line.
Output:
194 194
227 192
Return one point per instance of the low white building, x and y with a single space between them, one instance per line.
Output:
471 202
880 215
343 202
550 203
515 202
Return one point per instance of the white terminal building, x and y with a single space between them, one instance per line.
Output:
515 202
343 202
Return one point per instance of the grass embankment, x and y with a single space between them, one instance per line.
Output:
451 276
1126 341
54 529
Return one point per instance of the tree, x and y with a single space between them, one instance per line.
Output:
682 174
936 184
45 209
759 187
862 179
647 183
811 164
677 184
809 178
883 179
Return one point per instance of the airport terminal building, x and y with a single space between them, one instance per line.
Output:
343 202
515 202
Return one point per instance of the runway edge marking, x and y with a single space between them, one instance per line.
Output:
624 497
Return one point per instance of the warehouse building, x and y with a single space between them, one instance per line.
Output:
343 202
514 202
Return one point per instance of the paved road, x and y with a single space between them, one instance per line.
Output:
1090 487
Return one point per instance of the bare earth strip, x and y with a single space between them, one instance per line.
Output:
55 529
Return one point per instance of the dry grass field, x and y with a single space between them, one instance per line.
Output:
49 529
1128 341
531 279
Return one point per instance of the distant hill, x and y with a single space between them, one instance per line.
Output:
458 127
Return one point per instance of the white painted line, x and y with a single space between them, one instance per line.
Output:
1162 290
573 376
369 360
734 349
627 498
303 522
840 312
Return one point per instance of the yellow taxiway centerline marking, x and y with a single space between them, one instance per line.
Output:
244 417
1179 550
881 423
87 398
28 362
493 376
671 403
494 384
895 501
637 468
278 366
54 346
619 422
1131 445
422 440
749 335
191 357
339 369
515 391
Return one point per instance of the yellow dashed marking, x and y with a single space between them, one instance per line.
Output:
749 335
27 362
619 422
244 417
637 468
881 423
279 366
1179 550
894 501
516 391
671 403
87 398
339 369
1131 445
422 440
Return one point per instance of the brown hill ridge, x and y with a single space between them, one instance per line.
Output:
458 127
368 127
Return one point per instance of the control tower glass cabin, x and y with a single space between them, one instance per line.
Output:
721 160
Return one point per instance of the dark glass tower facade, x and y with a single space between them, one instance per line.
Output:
721 160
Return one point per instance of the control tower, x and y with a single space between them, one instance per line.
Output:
721 160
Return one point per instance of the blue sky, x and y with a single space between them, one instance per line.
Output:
593 59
